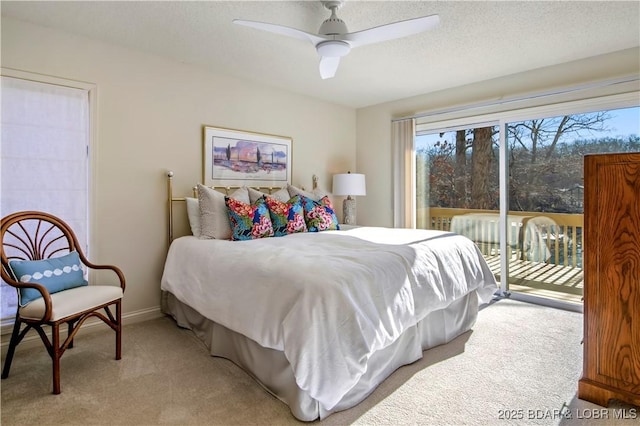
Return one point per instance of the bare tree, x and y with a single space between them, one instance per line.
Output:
532 165
544 163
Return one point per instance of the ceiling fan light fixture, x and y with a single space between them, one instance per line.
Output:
333 48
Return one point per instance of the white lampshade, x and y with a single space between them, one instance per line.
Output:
349 184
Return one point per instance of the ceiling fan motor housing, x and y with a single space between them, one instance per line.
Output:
333 25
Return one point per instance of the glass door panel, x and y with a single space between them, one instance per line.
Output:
457 185
546 190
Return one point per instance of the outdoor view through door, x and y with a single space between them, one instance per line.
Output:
458 190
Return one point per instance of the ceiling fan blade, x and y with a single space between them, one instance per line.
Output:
282 30
391 31
329 66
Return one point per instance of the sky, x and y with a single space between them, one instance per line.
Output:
623 122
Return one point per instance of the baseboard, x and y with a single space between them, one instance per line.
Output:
91 326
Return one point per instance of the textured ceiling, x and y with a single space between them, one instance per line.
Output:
476 40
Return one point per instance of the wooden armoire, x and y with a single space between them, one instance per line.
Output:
611 368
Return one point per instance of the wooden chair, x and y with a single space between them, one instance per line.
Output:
33 236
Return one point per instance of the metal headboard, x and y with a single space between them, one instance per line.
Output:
225 189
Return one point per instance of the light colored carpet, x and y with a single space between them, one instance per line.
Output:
520 360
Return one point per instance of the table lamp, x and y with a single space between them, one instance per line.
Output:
351 185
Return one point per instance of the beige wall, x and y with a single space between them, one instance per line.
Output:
150 113
373 146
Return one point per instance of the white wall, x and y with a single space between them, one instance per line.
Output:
373 148
149 119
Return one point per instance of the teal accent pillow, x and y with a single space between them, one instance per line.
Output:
287 218
319 215
56 274
249 221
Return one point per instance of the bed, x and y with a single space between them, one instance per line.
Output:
320 319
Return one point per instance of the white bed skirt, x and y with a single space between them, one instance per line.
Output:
272 370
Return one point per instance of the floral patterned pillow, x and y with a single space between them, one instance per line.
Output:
249 221
287 218
319 215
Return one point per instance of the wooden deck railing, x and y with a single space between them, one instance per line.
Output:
561 233
545 255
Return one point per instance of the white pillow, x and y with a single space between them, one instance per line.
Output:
280 195
316 195
193 213
214 218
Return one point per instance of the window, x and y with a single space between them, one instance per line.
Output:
457 169
530 172
44 156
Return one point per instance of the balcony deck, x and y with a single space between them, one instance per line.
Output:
553 270
542 279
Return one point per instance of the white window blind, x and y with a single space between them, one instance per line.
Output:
44 157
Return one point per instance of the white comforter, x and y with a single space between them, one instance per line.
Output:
328 300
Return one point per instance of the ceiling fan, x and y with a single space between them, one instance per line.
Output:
333 40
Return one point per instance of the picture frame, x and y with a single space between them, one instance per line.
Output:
236 158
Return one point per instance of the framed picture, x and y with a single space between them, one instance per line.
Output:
236 158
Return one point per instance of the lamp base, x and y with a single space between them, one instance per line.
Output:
349 211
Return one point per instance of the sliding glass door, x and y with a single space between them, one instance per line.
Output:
537 250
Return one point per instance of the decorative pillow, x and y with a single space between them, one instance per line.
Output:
287 217
280 195
249 221
319 215
315 195
193 213
56 274
214 218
